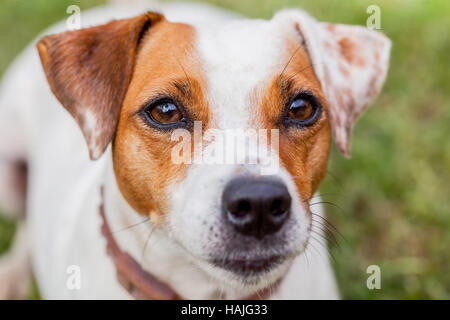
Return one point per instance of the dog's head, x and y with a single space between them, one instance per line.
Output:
156 89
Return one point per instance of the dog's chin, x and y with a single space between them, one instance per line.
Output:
246 275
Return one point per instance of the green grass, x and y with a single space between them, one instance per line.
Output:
394 191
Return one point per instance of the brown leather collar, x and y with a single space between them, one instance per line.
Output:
141 284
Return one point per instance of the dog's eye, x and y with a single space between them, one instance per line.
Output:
164 112
300 109
303 111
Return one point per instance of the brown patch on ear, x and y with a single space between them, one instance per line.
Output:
89 71
348 50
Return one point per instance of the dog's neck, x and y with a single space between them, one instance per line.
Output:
157 253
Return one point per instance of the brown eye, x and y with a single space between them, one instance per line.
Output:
303 111
300 109
165 113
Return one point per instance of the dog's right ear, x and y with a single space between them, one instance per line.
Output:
89 71
350 62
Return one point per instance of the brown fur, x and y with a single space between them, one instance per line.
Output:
89 71
111 71
303 152
142 155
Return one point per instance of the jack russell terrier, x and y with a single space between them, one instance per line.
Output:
119 218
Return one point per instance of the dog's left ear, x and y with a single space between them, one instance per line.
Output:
89 71
351 64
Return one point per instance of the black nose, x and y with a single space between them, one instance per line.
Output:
256 206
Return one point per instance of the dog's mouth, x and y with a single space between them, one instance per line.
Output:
246 267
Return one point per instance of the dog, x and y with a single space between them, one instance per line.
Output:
106 212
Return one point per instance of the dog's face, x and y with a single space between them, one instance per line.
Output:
149 79
237 77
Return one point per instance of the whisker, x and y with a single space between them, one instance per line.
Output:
290 59
330 255
336 180
329 203
303 69
322 236
317 252
329 224
324 221
325 194
328 232
146 243
131 226
306 255
184 71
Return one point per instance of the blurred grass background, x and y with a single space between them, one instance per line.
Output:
392 198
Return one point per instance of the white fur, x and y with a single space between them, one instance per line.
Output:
63 198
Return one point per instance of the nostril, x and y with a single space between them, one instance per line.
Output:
243 208
240 208
279 207
275 207
240 213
